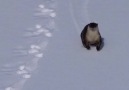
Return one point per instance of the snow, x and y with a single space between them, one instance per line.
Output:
41 47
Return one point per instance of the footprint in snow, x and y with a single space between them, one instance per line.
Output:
24 70
38 30
16 86
45 12
34 49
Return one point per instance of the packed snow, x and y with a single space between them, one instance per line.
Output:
41 47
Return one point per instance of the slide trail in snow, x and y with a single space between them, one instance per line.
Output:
83 11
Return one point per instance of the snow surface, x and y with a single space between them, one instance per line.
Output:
41 47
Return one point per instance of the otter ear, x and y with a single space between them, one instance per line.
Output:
93 24
97 23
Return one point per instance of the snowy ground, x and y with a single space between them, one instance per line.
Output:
41 47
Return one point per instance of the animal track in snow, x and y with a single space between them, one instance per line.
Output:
17 85
35 51
41 6
22 70
40 55
38 30
9 88
45 12
26 76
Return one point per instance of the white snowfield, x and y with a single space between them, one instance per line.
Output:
41 47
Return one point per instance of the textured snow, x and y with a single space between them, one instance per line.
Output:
41 47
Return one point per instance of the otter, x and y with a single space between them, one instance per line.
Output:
91 36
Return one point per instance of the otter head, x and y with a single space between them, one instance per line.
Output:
93 26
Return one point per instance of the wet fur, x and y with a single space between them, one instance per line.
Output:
91 37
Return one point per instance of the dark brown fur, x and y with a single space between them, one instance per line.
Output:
85 42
